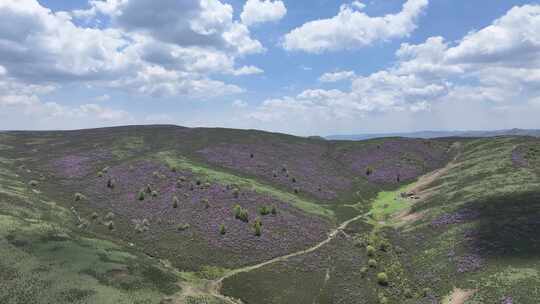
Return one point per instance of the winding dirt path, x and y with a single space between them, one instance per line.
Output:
215 290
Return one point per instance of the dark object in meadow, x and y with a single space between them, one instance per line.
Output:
110 183
175 202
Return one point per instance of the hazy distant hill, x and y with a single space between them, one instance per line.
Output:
436 134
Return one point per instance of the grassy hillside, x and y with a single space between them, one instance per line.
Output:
145 214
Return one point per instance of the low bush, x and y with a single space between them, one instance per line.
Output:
33 183
175 202
205 203
264 210
370 251
183 227
382 278
222 229
78 197
257 227
241 213
274 210
154 193
109 216
110 225
140 196
94 216
372 263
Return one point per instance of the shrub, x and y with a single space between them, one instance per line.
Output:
78 197
110 183
207 185
236 193
372 263
383 299
408 293
94 216
175 202
384 246
296 190
105 170
241 213
148 189
206 203
173 169
183 227
264 210
141 195
198 182
154 193
426 292
293 179
109 216
274 210
370 251
145 222
382 278
222 229
100 174
110 225
369 171
363 272
33 183
257 227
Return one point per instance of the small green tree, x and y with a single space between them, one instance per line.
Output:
141 195
148 189
222 229
257 227
175 202
110 225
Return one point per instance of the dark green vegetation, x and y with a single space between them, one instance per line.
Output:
145 214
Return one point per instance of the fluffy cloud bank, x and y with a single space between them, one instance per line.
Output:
497 67
164 47
351 28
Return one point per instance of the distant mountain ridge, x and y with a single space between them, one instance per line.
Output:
436 134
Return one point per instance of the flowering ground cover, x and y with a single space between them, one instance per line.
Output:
208 201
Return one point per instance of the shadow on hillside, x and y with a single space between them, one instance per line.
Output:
508 226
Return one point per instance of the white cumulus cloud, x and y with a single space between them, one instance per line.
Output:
260 11
352 29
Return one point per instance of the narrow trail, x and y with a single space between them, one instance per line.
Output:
333 233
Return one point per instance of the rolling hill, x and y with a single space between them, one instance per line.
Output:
167 214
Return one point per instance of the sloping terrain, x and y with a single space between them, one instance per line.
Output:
145 214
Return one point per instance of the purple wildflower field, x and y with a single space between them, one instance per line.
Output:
282 233
394 160
300 166
76 165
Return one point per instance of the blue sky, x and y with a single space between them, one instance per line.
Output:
301 67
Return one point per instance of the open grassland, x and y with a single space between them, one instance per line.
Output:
145 214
